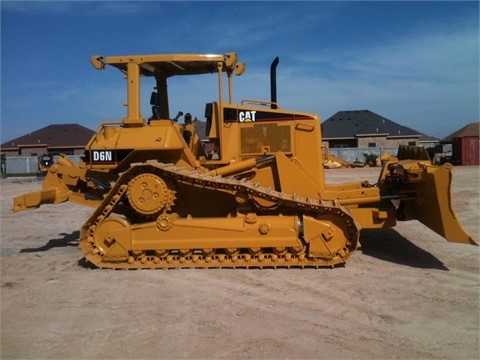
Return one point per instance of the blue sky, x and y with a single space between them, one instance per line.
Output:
416 63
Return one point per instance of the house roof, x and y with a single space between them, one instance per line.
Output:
472 129
427 138
352 124
53 136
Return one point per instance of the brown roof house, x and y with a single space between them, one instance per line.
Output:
465 144
69 139
364 128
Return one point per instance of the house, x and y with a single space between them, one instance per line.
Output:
69 139
366 129
465 144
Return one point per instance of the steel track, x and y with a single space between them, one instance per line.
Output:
221 258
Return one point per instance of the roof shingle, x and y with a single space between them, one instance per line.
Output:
356 123
56 135
472 129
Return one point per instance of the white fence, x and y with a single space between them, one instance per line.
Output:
29 164
26 164
357 154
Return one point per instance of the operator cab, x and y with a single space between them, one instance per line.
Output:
156 108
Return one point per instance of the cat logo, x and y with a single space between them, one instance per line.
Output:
246 116
102 156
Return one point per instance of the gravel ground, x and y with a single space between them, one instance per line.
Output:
407 294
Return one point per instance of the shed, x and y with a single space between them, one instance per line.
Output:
465 145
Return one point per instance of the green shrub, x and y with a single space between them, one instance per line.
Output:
370 159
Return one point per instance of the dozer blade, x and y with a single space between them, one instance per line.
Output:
433 204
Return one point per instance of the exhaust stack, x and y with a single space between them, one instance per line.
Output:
273 82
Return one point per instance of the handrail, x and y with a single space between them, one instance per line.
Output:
259 103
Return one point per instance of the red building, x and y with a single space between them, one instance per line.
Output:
465 145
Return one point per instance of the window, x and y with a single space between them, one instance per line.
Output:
372 144
53 151
412 143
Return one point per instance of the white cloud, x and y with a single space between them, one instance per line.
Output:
424 76
426 80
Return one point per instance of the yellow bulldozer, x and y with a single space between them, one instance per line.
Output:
258 199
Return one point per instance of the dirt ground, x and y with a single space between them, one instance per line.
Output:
407 294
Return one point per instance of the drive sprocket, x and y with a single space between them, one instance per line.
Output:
149 194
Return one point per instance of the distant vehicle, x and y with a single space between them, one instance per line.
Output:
442 154
44 163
